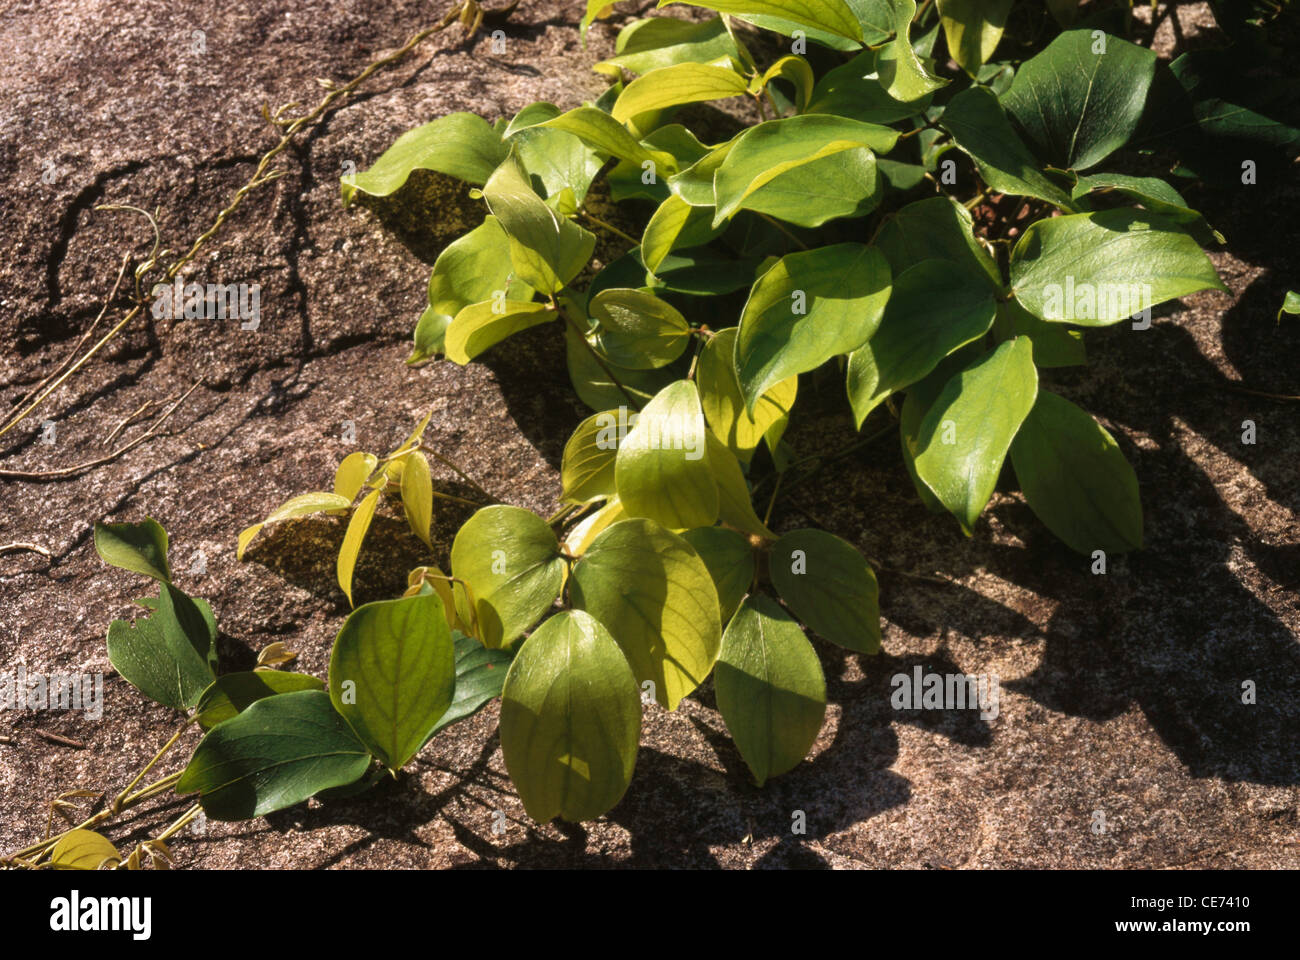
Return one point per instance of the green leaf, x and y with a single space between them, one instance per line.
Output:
796 71
473 268
935 307
768 169
587 467
724 402
1075 478
1055 344
937 227
1290 304
557 160
481 326
358 524
833 16
675 224
901 72
392 674
662 468
480 674
83 850
299 506
277 753
973 29
352 474
966 433
512 563
676 85
656 597
810 306
657 42
730 561
976 121
231 694
165 656
594 385
854 90
138 547
461 145
604 133
417 495
547 250
920 396
1079 100
771 692
1154 194
570 720
1096 269
630 180
637 330
829 586
582 534
735 503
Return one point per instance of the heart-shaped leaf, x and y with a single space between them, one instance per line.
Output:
138 547
512 563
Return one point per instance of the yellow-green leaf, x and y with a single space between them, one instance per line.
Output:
662 468
299 506
770 687
724 403
417 495
356 532
483 325
655 596
83 850
352 474
678 84
570 720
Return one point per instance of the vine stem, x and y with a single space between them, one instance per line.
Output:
596 356
610 227
116 805
260 177
793 239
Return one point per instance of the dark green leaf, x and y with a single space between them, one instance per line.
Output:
277 753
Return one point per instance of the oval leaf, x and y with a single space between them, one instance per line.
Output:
724 403
1075 478
231 694
461 145
964 437
657 598
138 547
829 586
935 307
730 561
587 467
1096 269
809 307
299 506
512 563
770 687
570 720
393 674
662 468
83 850
637 330
417 495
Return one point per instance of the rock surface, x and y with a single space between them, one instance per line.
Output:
1121 694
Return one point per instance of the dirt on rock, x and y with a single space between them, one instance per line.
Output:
1121 694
